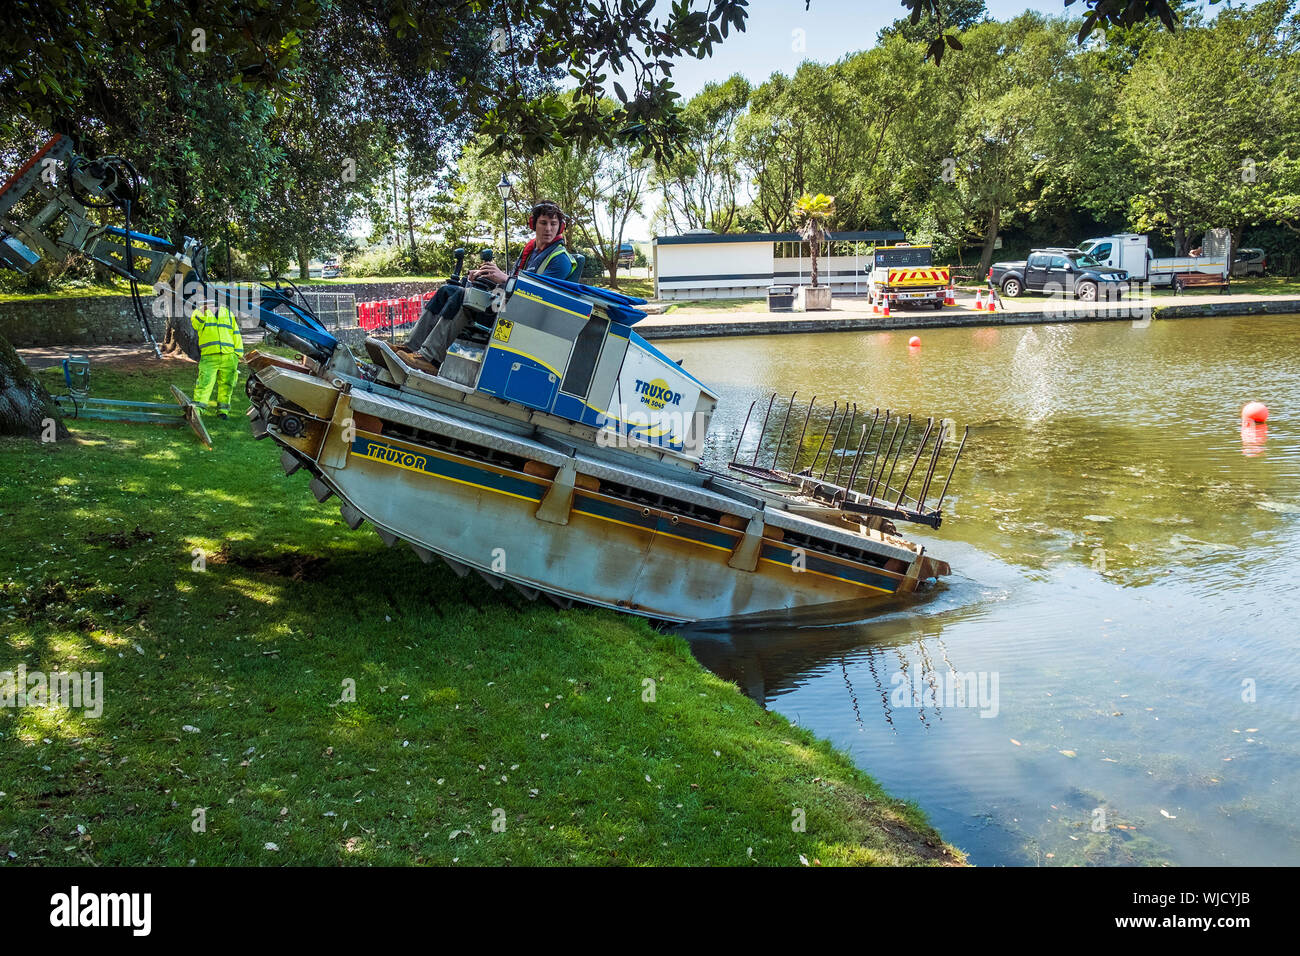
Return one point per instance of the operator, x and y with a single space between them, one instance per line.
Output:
221 349
443 319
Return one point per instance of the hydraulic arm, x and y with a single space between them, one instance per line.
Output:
71 186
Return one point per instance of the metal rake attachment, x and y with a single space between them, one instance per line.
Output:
855 477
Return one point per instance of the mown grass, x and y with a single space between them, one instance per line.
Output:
641 288
77 291
717 305
1254 285
473 707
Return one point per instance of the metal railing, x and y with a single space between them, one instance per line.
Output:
334 309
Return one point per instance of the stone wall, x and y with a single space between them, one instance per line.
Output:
84 320
110 320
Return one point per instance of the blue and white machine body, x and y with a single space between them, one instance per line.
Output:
570 350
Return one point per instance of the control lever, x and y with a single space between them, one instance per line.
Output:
454 278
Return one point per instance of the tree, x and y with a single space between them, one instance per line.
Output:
558 175
1208 114
54 54
611 195
940 15
812 215
599 185
830 124
701 180
1101 15
51 50
139 77
772 154
988 147
26 408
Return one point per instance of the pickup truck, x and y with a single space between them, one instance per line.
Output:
1054 272
905 274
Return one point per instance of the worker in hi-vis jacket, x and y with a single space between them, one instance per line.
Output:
221 349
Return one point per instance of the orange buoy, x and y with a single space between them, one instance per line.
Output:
1255 412
914 341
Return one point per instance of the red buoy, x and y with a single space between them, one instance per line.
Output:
1254 412
914 341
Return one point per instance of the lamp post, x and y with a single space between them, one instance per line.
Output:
503 188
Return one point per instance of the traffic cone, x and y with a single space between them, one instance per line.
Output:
875 304
949 297
992 299
886 306
979 300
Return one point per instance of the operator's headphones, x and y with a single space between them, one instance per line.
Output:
547 206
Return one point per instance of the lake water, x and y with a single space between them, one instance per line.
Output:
1110 675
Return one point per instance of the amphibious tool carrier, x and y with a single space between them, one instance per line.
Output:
557 451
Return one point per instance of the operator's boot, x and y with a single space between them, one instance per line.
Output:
419 361
449 328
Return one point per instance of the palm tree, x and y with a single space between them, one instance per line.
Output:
812 214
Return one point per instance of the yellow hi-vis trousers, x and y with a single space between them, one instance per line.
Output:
216 370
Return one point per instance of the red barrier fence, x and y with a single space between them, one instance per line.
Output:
390 313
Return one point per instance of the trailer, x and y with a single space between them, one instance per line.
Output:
1131 252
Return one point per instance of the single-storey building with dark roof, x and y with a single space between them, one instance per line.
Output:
707 265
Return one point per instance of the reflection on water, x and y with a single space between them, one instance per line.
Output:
1111 674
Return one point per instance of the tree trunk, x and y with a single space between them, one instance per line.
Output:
304 262
990 239
26 408
410 227
397 219
180 338
1180 240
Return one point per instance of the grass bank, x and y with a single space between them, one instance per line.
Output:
231 616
